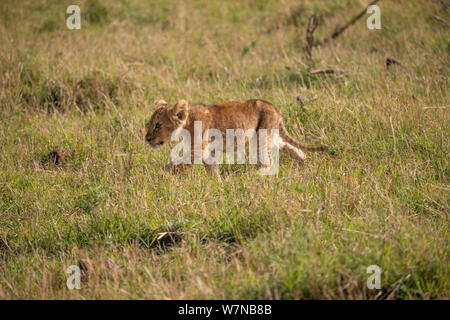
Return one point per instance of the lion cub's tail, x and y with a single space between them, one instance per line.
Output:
289 139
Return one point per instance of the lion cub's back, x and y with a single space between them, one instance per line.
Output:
241 114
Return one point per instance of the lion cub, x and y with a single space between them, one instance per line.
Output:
251 114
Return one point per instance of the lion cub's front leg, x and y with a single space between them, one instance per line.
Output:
180 168
213 168
209 163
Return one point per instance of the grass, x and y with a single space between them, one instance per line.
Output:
308 233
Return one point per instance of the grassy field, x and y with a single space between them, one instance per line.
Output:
310 232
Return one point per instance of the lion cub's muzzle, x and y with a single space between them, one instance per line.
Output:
156 145
152 143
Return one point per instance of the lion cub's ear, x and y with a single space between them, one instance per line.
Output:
159 103
180 110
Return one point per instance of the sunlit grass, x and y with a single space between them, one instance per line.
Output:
381 198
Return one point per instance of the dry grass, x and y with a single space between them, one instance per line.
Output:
310 232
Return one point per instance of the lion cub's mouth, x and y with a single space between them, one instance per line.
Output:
156 145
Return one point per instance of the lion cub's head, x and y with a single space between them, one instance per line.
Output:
165 120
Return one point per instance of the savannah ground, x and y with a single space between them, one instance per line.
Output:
380 198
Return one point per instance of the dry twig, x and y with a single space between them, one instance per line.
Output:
340 30
313 23
321 71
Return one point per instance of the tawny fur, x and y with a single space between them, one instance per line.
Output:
251 114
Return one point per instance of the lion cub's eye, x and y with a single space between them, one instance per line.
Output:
158 125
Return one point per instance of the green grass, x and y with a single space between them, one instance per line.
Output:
381 199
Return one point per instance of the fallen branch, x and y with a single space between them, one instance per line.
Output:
440 20
321 71
340 30
444 107
392 61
